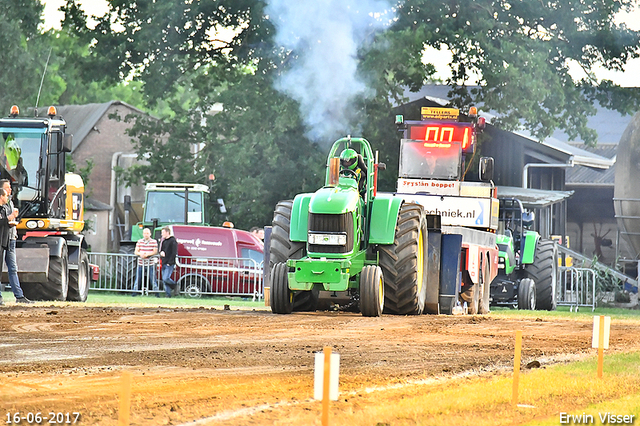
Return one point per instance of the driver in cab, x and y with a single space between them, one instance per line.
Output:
351 160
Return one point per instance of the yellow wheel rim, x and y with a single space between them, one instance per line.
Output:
420 260
381 292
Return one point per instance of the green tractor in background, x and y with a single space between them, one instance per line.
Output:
528 264
347 243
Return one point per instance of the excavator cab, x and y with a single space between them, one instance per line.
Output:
32 156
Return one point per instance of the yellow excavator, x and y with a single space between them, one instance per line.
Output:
53 263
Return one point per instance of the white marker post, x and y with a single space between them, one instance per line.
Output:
600 338
516 369
326 373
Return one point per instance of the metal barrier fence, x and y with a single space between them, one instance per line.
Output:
577 287
195 276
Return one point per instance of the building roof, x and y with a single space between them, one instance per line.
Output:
609 124
82 119
579 176
533 198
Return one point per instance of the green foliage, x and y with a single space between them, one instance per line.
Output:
60 61
84 172
194 55
20 56
520 52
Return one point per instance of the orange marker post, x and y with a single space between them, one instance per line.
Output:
325 386
516 368
125 399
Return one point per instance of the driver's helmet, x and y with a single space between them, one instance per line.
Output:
349 159
12 152
528 218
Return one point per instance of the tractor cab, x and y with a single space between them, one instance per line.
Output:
513 230
350 163
32 155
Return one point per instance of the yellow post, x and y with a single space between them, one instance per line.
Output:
600 346
125 399
516 368
325 386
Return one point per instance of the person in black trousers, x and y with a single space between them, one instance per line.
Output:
10 252
4 228
168 251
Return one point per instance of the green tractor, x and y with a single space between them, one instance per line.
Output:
346 242
527 265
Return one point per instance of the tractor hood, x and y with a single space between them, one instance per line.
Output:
335 200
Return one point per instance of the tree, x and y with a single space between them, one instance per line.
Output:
19 39
518 50
521 51
50 67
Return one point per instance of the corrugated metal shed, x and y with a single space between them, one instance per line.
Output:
594 177
533 198
608 123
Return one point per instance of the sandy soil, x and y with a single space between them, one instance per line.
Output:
236 367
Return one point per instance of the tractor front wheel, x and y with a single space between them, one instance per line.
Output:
371 291
281 300
282 249
527 294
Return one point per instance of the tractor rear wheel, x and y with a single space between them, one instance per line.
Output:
57 286
126 267
527 294
404 263
371 291
471 294
483 303
544 272
282 249
79 280
281 300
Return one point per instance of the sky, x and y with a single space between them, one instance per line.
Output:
629 78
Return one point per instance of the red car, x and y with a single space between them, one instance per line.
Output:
220 261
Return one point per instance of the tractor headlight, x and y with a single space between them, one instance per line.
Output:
501 263
32 224
328 239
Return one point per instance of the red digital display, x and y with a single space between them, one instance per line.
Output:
445 133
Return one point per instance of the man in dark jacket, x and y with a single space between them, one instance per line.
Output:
10 251
168 251
4 228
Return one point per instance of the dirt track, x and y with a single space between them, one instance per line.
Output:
247 367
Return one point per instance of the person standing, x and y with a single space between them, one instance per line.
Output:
4 227
146 247
168 251
10 253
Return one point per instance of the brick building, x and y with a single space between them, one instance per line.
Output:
100 134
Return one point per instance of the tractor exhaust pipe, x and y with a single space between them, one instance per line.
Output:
334 171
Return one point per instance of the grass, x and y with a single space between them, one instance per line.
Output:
115 299
544 394
563 312
107 298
